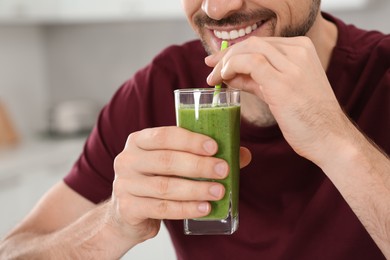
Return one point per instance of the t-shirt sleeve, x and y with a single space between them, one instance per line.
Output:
92 174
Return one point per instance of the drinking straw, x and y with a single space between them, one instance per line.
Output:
224 45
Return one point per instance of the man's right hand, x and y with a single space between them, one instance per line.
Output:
149 184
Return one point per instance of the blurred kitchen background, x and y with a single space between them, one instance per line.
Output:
61 61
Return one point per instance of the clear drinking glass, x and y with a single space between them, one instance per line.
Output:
216 113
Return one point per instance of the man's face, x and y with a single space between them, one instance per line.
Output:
235 20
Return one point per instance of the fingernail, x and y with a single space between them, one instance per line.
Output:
221 169
203 207
216 191
209 146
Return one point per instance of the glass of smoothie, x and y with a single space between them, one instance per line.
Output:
215 113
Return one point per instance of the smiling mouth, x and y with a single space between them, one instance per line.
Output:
237 33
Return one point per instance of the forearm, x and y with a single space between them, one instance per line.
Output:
361 172
93 236
32 245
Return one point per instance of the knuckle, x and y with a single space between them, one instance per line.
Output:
166 160
306 41
131 139
124 162
119 162
305 47
252 41
301 51
158 135
162 207
132 136
199 165
182 209
258 60
295 73
204 167
163 185
172 209
118 189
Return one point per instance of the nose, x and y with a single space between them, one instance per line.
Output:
218 9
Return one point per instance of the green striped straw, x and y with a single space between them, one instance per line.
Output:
224 45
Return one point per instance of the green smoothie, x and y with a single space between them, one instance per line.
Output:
222 123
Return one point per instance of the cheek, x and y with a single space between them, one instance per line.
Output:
297 11
287 15
190 7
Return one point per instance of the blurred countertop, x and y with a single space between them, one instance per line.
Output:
30 168
40 154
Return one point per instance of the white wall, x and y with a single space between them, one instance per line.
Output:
376 16
23 76
92 60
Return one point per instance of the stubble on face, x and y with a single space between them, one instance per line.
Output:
201 21
302 28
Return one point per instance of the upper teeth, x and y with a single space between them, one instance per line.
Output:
234 34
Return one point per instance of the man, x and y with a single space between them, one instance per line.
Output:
314 186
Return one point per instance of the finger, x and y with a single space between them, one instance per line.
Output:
175 163
214 77
271 50
281 52
173 138
274 50
213 59
282 42
173 188
245 157
145 208
247 64
186 165
298 51
245 59
255 67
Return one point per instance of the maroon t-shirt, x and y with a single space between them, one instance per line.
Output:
288 207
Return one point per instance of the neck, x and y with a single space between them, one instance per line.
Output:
324 37
255 111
